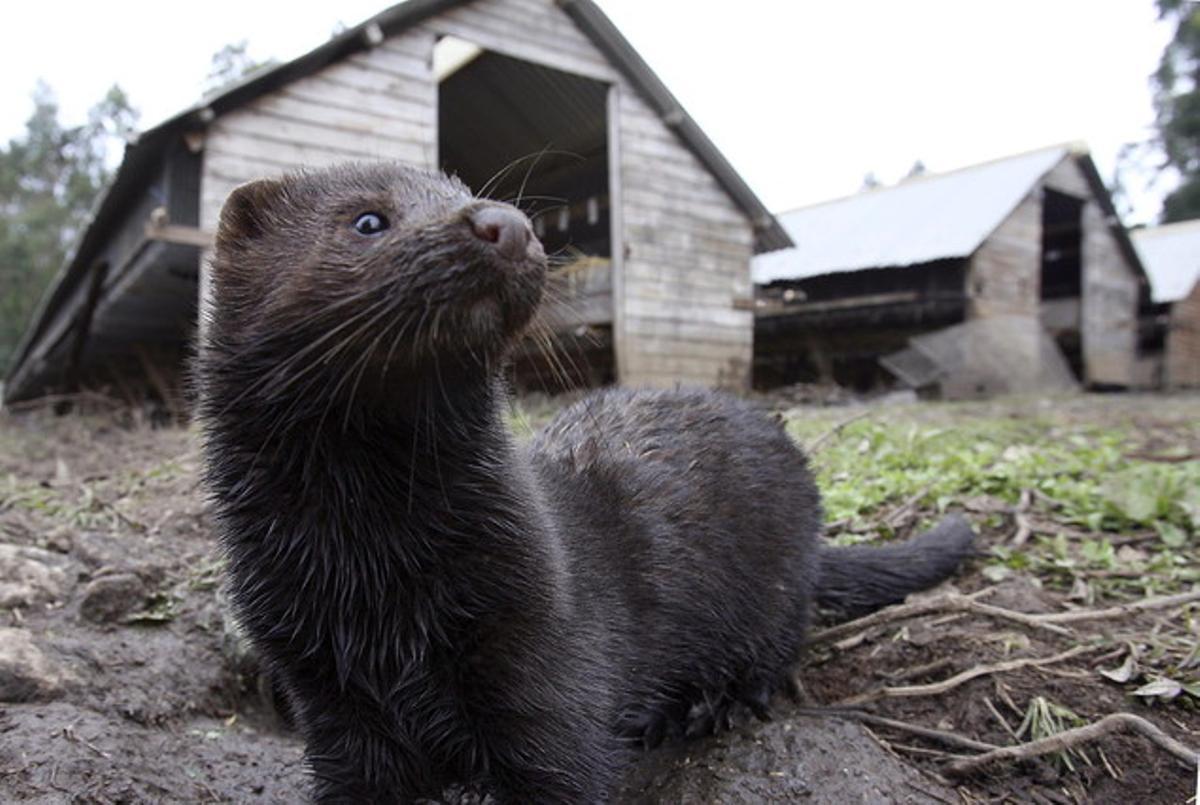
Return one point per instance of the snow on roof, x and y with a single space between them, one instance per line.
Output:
1171 256
930 217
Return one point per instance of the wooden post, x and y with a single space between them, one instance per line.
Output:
83 325
617 234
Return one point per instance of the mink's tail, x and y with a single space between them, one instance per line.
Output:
857 579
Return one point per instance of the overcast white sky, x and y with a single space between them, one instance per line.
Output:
803 97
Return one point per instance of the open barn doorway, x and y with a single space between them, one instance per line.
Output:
1062 273
537 137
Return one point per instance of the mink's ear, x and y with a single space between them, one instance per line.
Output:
246 212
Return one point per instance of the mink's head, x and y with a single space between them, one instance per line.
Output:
377 270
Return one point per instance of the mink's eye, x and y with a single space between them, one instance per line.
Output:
370 223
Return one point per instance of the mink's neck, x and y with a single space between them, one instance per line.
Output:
420 523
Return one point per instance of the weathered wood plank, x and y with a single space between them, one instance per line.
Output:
1181 366
395 63
1004 274
690 175
364 101
644 198
673 294
678 231
264 125
548 27
701 270
689 331
1110 302
420 127
519 46
234 167
347 75
715 315
667 370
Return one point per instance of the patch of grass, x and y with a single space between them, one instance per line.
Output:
1106 519
1083 469
1043 719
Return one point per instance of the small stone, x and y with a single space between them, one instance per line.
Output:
29 575
60 540
26 674
110 598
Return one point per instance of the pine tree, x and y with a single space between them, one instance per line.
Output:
49 179
1177 104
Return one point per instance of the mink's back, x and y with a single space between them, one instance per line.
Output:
690 521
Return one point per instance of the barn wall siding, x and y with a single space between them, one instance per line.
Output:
1110 290
687 256
1004 279
1003 275
1183 342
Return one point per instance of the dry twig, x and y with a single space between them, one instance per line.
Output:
950 602
1164 602
816 443
906 510
941 736
1024 529
1069 739
936 688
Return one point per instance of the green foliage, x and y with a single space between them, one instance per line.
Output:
1177 104
1086 493
1045 719
49 178
873 465
231 64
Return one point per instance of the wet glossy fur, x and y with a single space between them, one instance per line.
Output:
443 605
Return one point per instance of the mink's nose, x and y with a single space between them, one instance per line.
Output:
503 227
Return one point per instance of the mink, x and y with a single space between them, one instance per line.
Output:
444 604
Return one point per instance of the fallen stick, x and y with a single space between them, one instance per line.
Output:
1069 739
836 429
941 736
936 688
897 612
1024 529
901 513
950 602
1164 602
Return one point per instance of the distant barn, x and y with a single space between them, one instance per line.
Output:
658 226
1171 255
1031 240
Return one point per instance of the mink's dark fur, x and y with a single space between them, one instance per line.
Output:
443 605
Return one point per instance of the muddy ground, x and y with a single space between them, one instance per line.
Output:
122 681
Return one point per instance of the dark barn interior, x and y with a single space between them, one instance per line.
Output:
834 327
538 137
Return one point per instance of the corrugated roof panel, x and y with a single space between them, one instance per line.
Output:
1171 257
928 218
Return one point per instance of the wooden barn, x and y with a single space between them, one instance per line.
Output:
539 98
1171 255
1032 238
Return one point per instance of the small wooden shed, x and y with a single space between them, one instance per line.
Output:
1030 238
1171 255
539 98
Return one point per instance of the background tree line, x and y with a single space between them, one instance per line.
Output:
52 174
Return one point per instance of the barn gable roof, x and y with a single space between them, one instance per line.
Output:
584 13
1171 255
145 154
930 217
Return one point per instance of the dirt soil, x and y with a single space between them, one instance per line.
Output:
122 680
